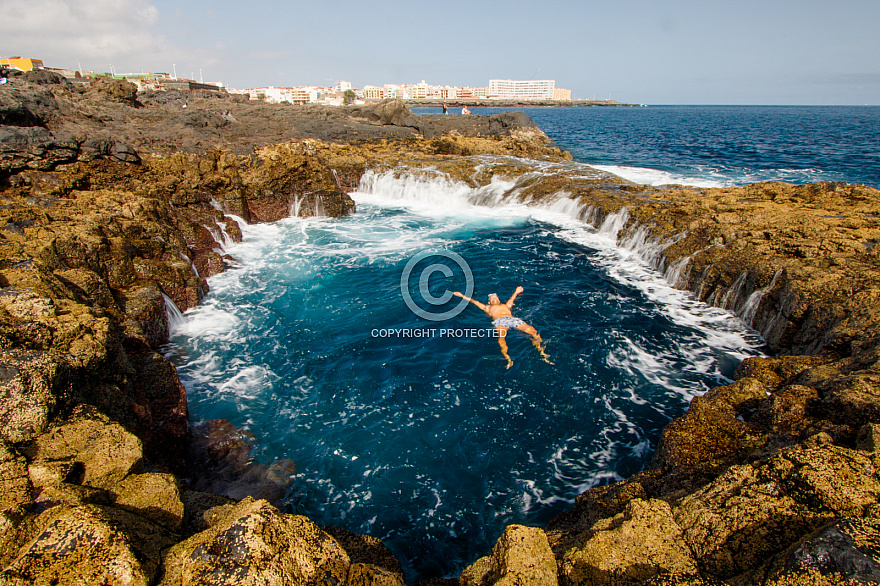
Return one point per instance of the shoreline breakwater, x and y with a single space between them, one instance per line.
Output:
117 206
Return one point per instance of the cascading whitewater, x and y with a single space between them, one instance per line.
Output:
176 319
433 188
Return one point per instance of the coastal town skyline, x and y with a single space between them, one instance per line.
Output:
544 90
776 52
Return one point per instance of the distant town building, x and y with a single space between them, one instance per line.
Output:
292 95
561 94
303 95
501 89
510 89
474 92
188 85
269 94
372 92
449 93
21 64
419 91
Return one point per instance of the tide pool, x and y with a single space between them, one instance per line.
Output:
426 440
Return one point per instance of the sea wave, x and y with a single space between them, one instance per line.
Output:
708 176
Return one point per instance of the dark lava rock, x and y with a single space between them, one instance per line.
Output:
220 462
117 90
46 77
15 112
850 547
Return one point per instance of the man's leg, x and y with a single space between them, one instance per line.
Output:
537 342
502 332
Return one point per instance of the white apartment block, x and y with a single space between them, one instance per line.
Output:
510 89
270 94
501 89
293 95
419 91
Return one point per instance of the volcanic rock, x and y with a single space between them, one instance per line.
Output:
118 90
253 543
849 548
639 543
750 513
220 463
88 449
89 545
153 496
521 555
15 486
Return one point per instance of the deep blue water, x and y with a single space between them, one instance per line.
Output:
718 145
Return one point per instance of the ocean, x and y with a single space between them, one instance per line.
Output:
406 424
718 146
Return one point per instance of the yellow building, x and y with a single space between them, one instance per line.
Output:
561 94
373 93
21 64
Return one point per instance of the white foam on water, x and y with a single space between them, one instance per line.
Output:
629 261
714 176
647 176
209 321
247 382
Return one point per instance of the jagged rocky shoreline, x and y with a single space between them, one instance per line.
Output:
113 202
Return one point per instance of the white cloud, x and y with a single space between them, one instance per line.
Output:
95 32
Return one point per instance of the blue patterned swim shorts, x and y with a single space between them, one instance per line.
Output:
507 322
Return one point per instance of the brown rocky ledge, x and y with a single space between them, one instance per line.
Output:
111 202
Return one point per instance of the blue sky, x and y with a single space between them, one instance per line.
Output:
645 51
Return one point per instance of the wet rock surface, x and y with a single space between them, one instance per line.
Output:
849 548
220 463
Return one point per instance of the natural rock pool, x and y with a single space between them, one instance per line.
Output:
423 438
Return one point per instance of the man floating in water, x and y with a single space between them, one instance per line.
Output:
502 319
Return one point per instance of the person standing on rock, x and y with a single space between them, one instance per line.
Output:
445 109
502 319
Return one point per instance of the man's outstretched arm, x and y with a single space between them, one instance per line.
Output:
474 301
509 303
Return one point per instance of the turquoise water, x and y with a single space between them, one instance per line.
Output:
421 436
717 146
